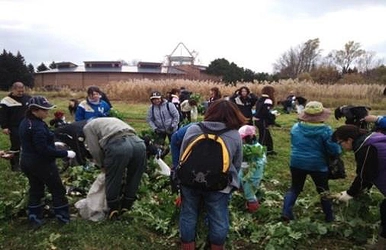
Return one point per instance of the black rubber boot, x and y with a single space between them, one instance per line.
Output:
62 214
35 216
327 209
289 201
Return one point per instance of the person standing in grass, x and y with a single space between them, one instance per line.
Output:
38 156
245 101
252 168
163 117
264 117
93 106
12 112
311 145
370 156
220 115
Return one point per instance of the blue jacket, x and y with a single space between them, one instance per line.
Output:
87 110
175 144
381 122
311 145
37 141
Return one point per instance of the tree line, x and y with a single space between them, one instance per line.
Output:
351 64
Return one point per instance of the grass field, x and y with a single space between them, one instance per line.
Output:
153 223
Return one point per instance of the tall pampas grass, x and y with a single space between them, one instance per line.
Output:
330 95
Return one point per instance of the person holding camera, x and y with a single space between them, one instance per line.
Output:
245 101
162 117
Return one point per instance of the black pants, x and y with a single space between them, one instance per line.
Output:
382 209
41 174
265 137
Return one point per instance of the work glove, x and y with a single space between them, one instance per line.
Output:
344 196
71 154
252 206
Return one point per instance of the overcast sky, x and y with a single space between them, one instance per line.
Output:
251 33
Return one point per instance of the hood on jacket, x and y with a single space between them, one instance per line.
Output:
310 130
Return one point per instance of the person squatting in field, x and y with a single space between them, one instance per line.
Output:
221 114
115 147
311 145
38 156
370 156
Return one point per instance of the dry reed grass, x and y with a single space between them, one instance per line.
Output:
330 95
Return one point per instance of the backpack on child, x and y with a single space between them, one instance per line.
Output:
205 162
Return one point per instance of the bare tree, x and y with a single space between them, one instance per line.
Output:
298 60
368 62
347 57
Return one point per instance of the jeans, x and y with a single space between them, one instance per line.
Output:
216 206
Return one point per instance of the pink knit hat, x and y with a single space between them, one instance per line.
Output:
247 130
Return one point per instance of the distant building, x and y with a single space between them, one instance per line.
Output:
100 73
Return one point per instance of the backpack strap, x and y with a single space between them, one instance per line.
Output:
209 134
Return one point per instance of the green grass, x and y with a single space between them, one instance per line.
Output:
153 223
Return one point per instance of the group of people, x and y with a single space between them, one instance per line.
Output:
313 142
116 148
113 145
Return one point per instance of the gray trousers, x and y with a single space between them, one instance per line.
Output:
124 162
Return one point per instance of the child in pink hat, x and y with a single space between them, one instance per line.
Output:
252 168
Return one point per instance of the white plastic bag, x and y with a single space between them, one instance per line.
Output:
164 169
94 207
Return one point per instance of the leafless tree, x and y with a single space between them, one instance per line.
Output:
347 57
368 62
298 60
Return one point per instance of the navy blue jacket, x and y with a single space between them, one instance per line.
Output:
37 141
